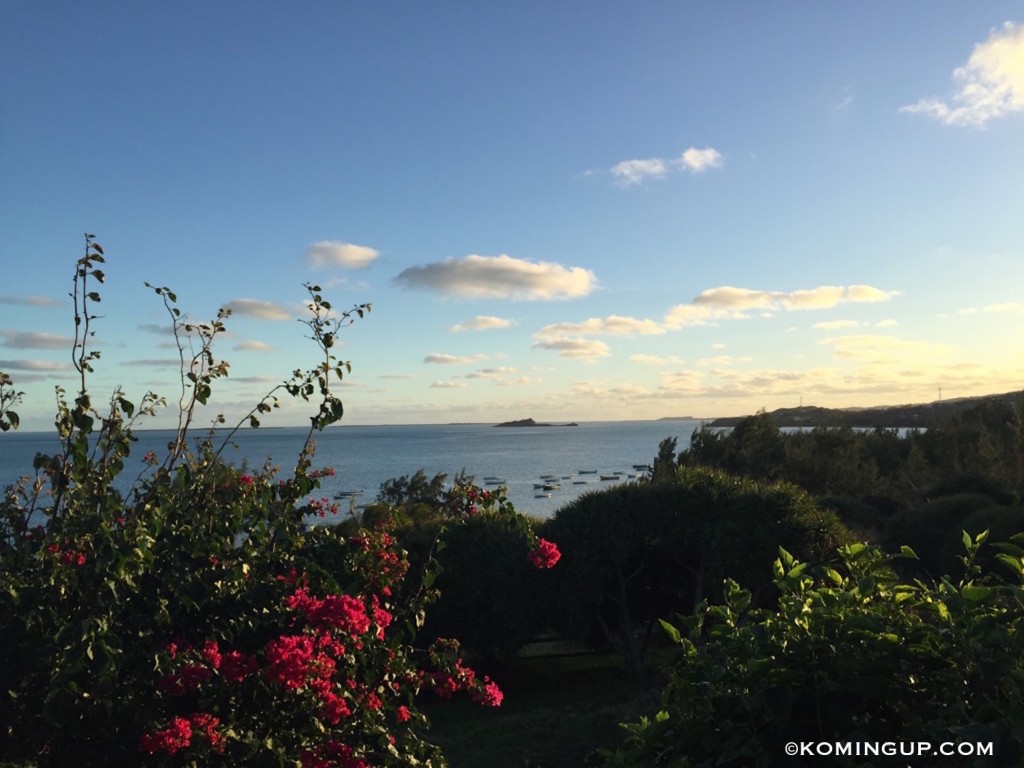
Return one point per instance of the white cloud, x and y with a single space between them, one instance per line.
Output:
630 172
613 325
35 340
481 323
989 86
500 277
729 302
448 385
253 346
699 160
583 349
687 315
263 310
331 253
443 359
887 323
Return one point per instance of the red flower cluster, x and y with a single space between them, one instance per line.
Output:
235 666
66 555
180 733
545 555
333 754
484 692
490 696
342 612
323 506
289 658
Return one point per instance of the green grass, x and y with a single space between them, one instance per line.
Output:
556 714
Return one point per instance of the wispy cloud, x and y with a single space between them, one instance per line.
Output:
263 310
254 346
481 323
631 172
33 365
448 385
989 86
35 340
727 302
613 325
875 348
491 373
443 359
1006 307
500 277
580 349
331 253
30 301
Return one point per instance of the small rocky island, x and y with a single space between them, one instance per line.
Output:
532 423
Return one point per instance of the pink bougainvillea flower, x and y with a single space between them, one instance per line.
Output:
545 555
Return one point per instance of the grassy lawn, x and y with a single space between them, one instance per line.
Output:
556 714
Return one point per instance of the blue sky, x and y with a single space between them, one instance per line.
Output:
572 210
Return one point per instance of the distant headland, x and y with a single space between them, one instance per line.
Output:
886 416
532 423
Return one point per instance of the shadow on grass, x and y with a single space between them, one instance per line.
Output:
556 714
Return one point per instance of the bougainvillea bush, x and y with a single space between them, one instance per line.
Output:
197 619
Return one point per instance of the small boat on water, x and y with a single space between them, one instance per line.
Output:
552 486
609 477
542 495
347 494
587 472
580 482
493 481
642 467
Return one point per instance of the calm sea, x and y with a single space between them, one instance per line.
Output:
365 456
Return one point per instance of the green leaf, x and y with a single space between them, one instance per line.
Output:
976 594
1016 564
672 631
907 552
834 576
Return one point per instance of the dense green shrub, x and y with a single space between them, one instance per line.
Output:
489 591
481 553
933 528
847 655
198 620
635 553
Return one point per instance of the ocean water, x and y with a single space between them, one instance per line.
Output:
363 457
